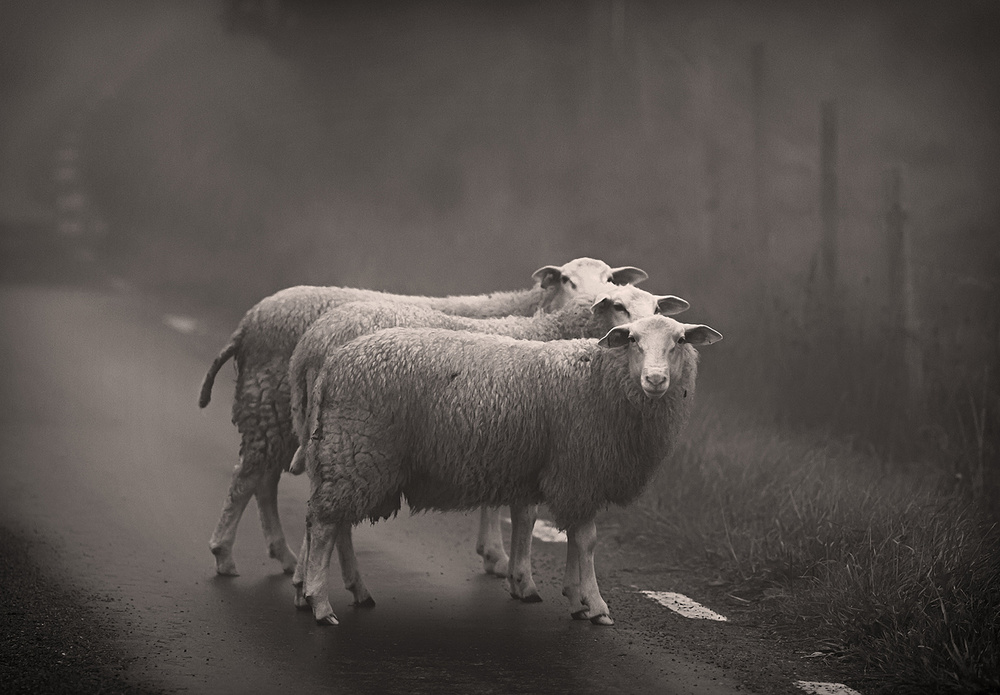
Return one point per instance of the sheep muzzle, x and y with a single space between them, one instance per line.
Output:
655 383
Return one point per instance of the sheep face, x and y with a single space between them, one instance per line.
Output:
585 276
621 304
657 348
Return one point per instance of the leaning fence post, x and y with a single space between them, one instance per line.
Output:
902 291
828 196
761 229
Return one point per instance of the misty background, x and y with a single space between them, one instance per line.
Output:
819 180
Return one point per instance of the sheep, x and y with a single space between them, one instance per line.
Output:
456 420
262 345
581 317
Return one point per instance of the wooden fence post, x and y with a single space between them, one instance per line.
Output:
828 197
700 75
761 231
902 294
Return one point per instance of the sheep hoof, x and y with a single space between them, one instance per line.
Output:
323 611
224 563
300 598
495 565
580 614
603 619
286 557
367 603
533 597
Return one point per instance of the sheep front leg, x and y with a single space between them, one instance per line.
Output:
241 489
571 579
267 506
349 568
299 578
581 579
519 580
490 543
322 537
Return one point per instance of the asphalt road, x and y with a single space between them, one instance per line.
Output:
107 456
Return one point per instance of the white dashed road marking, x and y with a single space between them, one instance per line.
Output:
826 688
544 531
680 603
689 608
181 324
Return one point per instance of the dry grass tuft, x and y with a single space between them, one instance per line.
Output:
899 569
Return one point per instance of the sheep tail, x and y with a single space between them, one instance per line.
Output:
206 386
312 416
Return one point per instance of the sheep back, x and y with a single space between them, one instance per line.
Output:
348 321
277 322
268 333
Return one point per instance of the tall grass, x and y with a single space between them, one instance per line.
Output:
904 576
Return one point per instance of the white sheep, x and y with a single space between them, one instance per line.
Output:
456 420
263 343
581 317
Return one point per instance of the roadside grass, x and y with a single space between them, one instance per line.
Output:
900 571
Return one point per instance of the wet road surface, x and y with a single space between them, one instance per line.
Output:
106 453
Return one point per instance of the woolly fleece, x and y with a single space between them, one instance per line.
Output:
580 318
457 420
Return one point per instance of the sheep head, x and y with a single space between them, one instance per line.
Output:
656 349
618 305
585 276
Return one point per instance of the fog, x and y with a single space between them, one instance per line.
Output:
226 150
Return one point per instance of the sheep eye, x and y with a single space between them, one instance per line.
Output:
620 307
567 281
681 340
631 339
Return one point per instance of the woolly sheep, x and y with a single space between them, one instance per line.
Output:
581 317
263 343
456 420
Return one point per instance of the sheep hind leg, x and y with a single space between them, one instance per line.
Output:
349 568
299 577
267 506
490 543
322 538
584 538
241 489
520 583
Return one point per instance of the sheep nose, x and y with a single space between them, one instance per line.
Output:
656 381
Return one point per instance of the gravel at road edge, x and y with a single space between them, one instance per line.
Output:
53 640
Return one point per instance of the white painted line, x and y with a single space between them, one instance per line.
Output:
815 688
680 603
181 324
543 531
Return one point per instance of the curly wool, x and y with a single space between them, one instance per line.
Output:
346 322
265 338
455 421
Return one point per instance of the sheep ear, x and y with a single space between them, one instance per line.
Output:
617 337
700 334
602 304
548 275
670 305
627 275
